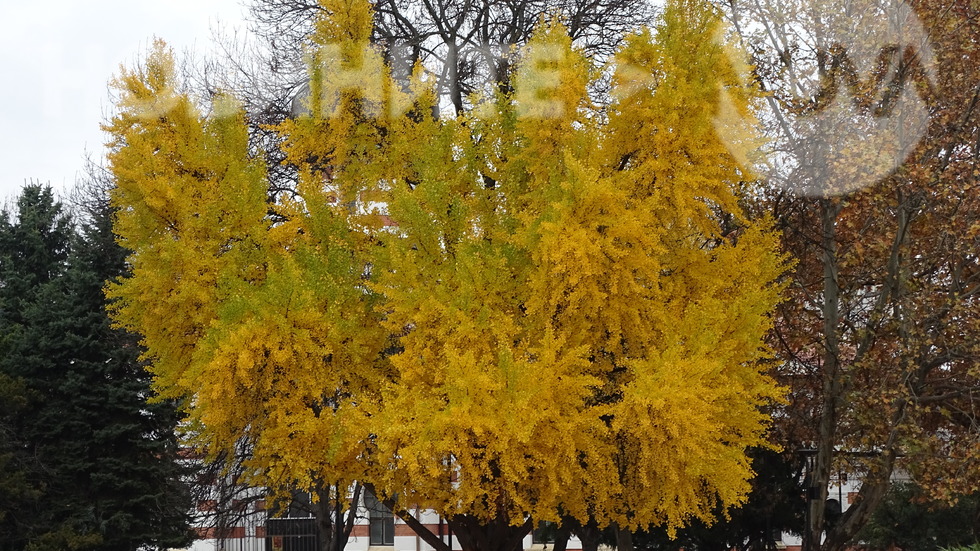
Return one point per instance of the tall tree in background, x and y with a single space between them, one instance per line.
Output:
881 336
103 458
138 489
469 46
34 248
566 320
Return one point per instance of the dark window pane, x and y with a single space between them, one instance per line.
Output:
544 533
380 520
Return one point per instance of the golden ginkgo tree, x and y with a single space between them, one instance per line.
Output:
539 309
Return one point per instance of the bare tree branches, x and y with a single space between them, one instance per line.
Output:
469 44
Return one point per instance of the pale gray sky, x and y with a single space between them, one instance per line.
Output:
57 58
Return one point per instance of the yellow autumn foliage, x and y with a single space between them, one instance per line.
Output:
538 308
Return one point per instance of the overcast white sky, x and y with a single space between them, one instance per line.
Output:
57 58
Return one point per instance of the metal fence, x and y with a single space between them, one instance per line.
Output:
291 534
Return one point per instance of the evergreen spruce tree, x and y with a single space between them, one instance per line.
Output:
34 244
106 460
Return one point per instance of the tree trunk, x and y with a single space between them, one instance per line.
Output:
624 538
589 534
496 535
562 534
819 477
874 487
344 529
323 511
453 84
334 524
